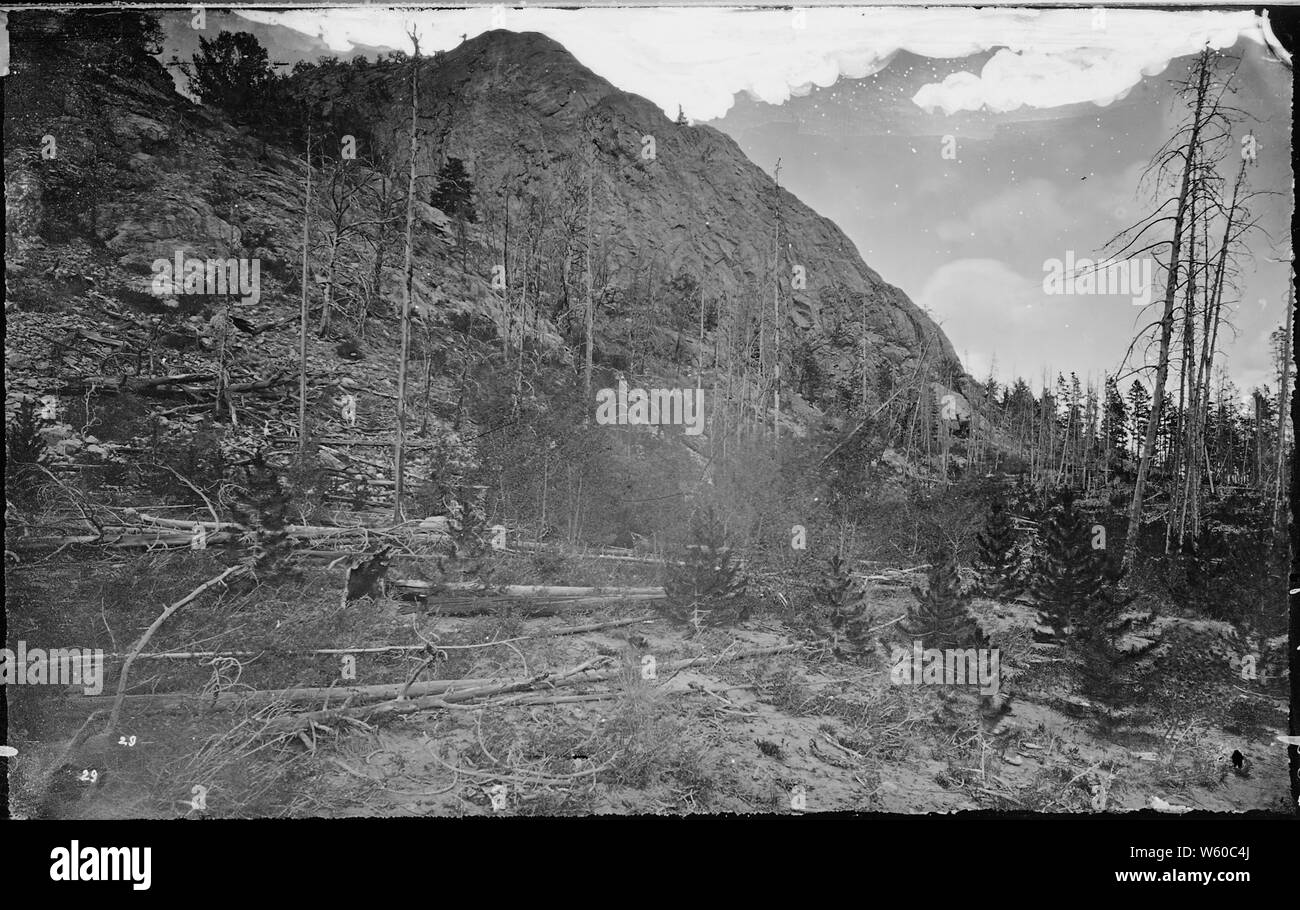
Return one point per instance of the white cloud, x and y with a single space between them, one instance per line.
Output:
1030 218
1057 57
990 311
700 58
1016 217
983 304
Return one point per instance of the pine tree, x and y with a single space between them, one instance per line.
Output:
1171 418
941 617
466 520
1076 586
232 72
998 561
1073 407
1116 416
25 454
1139 408
262 507
841 598
708 588
1067 571
1108 667
454 193
1079 597
1060 404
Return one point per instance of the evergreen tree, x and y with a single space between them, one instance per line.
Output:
263 509
1167 431
1078 595
466 520
454 192
844 604
1092 443
1139 409
1073 410
708 589
1068 574
1116 421
941 616
1106 661
998 560
1110 671
25 455
1061 404
231 72
1019 398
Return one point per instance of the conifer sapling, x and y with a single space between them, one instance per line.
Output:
998 559
708 588
941 616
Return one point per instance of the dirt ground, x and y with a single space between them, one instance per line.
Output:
791 732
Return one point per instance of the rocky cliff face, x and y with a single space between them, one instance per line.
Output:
108 169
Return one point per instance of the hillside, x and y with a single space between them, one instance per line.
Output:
141 173
137 174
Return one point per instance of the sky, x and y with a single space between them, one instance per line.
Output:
961 150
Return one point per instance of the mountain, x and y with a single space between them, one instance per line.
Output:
109 169
532 121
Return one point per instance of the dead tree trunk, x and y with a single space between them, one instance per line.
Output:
1187 153
399 451
302 328
1283 405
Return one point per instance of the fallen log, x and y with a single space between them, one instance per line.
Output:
227 700
175 533
554 590
385 649
525 547
259 697
362 441
156 385
307 532
897 576
486 607
533 604
292 725
431 693
258 385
